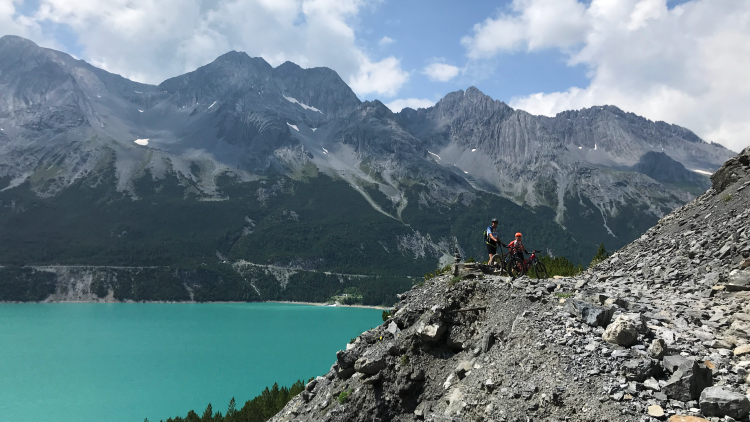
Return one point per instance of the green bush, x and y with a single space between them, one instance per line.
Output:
344 396
437 272
387 314
560 266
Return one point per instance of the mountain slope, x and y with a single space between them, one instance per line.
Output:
659 329
243 144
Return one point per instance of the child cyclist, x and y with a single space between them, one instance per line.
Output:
516 248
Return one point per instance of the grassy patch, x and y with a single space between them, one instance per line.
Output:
344 396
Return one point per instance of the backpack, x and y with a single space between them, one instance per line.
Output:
484 236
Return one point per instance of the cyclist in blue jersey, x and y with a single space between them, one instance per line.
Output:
491 239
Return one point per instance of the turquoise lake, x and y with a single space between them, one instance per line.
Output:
126 362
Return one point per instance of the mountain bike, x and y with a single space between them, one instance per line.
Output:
499 261
531 266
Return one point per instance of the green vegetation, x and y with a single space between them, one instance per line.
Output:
561 266
25 284
404 360
387 314
453 281
432 274
344 396
727 197
259 409
564 295
350 296
600 256
174 245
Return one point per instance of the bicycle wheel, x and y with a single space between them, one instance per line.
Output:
514 267
540 270
496 261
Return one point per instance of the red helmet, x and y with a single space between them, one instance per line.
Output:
519 234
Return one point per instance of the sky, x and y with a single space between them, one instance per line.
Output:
683 62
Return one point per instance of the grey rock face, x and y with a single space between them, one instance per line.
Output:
470 130
688 381
660 167
593 315
732 171
716 401
639 369
370 366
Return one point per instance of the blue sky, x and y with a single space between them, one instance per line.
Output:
427 31
682 61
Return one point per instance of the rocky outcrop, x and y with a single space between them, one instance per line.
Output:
736 168
652 333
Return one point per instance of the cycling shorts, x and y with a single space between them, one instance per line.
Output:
492 250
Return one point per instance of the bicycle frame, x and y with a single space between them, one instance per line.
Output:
526 263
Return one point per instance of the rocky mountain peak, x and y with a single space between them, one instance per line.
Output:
14 41
319 87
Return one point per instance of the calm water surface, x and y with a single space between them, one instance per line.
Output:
127 362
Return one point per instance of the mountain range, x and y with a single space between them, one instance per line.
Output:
244 181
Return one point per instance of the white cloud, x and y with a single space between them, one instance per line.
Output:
441 72
687 65
532 23
152 40
384 77
414 103
385 41
12 23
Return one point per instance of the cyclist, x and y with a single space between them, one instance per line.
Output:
516 248
491 239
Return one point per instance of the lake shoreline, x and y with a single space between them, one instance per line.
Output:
194 302
382 308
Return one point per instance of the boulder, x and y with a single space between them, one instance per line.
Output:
638 369
622 332
688 381
657 349
431 333
346 358
344 373
716 401
673 362
655 411
370 366
595 316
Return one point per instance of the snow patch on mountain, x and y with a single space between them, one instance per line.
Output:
303 105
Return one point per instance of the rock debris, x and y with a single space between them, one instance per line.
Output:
658 331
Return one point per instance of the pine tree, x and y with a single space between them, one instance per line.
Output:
208 414
600 256
232 407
